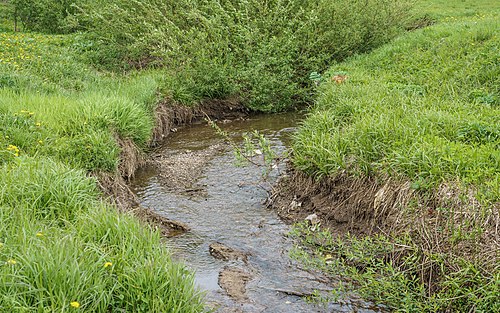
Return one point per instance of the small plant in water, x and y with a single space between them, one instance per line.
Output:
256 150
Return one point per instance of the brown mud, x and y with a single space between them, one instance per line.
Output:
233 280
342 203
225 253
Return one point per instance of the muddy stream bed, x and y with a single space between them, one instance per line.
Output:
236 246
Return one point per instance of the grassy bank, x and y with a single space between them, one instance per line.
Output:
419 120
61 247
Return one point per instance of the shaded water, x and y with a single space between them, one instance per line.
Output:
229 210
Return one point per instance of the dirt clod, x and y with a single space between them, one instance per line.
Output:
234 280
167 227
222 252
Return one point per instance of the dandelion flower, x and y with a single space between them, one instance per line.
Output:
11 262
75 304
40 141
108 264
39 234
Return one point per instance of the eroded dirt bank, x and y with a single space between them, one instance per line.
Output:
363 206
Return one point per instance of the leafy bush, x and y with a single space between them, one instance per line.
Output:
53 16
262 51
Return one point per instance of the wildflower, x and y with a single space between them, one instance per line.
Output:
13 149
40 141
39 234
108 264
38 124
11 262
75 304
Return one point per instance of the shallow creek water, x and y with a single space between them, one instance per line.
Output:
223 203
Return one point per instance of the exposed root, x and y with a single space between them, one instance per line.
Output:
169 115
116 190
343 203
131 157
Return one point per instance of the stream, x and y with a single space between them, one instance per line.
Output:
195 180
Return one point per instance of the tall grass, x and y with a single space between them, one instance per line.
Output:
425 107
60 246
56 240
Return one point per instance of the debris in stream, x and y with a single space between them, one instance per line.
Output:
233 280
222 252
167 227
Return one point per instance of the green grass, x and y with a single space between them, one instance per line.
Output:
377 268
58 121
56 237
425 109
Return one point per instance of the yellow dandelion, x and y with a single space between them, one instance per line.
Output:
38 124
13 148
39 234
75 304
11 262
40 141
108 264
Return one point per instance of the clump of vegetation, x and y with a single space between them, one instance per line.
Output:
423 111
261 51
62 248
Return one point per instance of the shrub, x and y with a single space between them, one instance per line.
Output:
263 51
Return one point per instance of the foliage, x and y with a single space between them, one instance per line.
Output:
261 50
376 268
53 16
424 107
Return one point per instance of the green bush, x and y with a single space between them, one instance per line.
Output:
262 51
52 16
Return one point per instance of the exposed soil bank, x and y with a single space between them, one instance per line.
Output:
367 206
343 204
